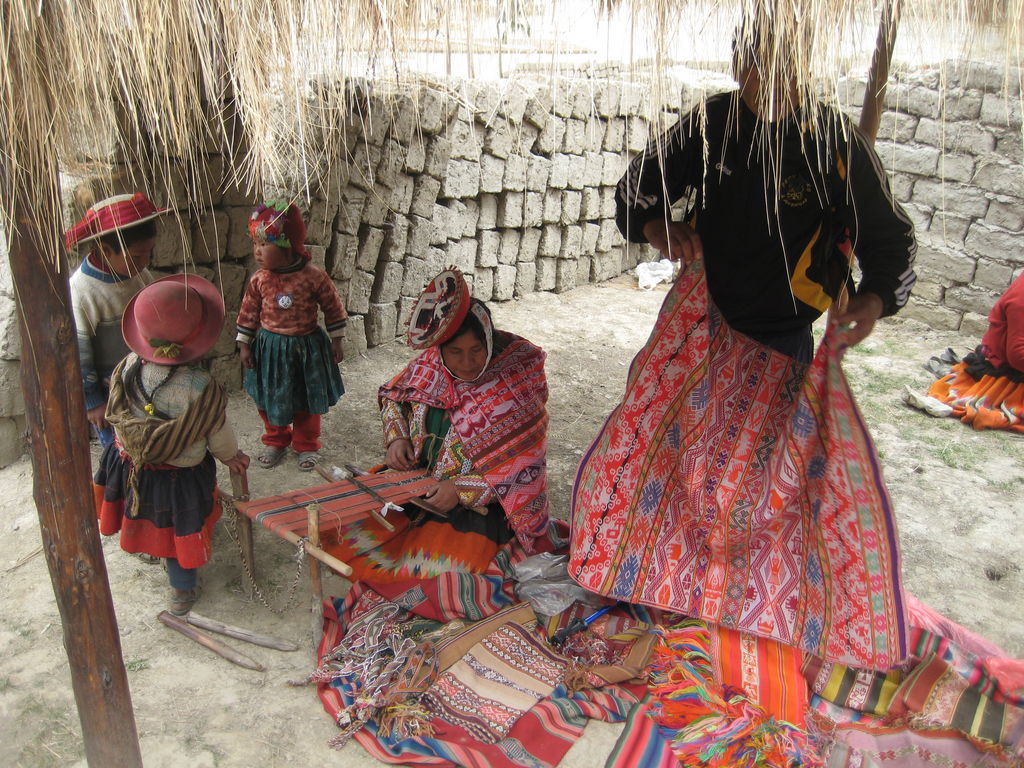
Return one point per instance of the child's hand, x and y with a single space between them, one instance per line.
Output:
336 351
401 455
238 463
97 417
245 355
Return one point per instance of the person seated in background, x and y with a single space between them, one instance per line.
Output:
986 389
470 410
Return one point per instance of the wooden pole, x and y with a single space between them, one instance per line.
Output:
240 492
58 436
878 74
317 607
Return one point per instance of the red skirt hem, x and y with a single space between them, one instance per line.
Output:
140 535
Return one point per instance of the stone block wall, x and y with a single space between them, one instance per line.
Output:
952 141
514 184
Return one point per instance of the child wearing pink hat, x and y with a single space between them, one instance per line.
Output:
292 363
156 483
121 233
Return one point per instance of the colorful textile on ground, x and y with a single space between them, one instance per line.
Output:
421 546
767 672
293 374
614 648
867 744
540 737
733 485
985 401
934 695
712 723
497 681
959 686
176 512
501 420
642 744
859 689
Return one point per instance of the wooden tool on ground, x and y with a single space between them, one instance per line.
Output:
239 633
208 641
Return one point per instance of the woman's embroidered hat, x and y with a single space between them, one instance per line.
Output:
110 215
439 310
175 320
279 223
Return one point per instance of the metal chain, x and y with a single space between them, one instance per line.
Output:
300 552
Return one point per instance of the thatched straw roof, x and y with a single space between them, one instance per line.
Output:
169 80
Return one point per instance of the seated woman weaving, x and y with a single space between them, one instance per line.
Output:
470 410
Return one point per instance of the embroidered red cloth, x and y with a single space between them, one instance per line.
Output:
736 485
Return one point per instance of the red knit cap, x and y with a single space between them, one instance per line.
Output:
279 223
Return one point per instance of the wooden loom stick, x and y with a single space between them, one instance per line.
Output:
878 73
327 559
239 633
209 641
329 477
240 492
357 472
313 538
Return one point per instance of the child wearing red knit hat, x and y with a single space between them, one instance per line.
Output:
291 362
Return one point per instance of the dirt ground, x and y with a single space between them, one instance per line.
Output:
958 496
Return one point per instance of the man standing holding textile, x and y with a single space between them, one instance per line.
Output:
735 483
782 185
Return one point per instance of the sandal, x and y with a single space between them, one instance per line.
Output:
182 601
147 558
271 456
308 460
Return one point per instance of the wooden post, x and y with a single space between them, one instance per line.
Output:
878 74
240 492
58 435
317 607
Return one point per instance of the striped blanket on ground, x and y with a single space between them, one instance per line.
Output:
735 485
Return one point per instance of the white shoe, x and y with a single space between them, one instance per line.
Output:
930 405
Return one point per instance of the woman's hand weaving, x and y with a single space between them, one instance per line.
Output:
400 455
442 497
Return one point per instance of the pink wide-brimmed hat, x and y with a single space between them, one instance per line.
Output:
439 310
110 215
175 320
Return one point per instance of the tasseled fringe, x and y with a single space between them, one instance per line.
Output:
387 672
577 677
712 724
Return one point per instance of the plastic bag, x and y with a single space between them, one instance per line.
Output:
650 273
545 584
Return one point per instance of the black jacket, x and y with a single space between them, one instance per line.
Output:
771 223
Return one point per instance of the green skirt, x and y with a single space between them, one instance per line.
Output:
293 374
